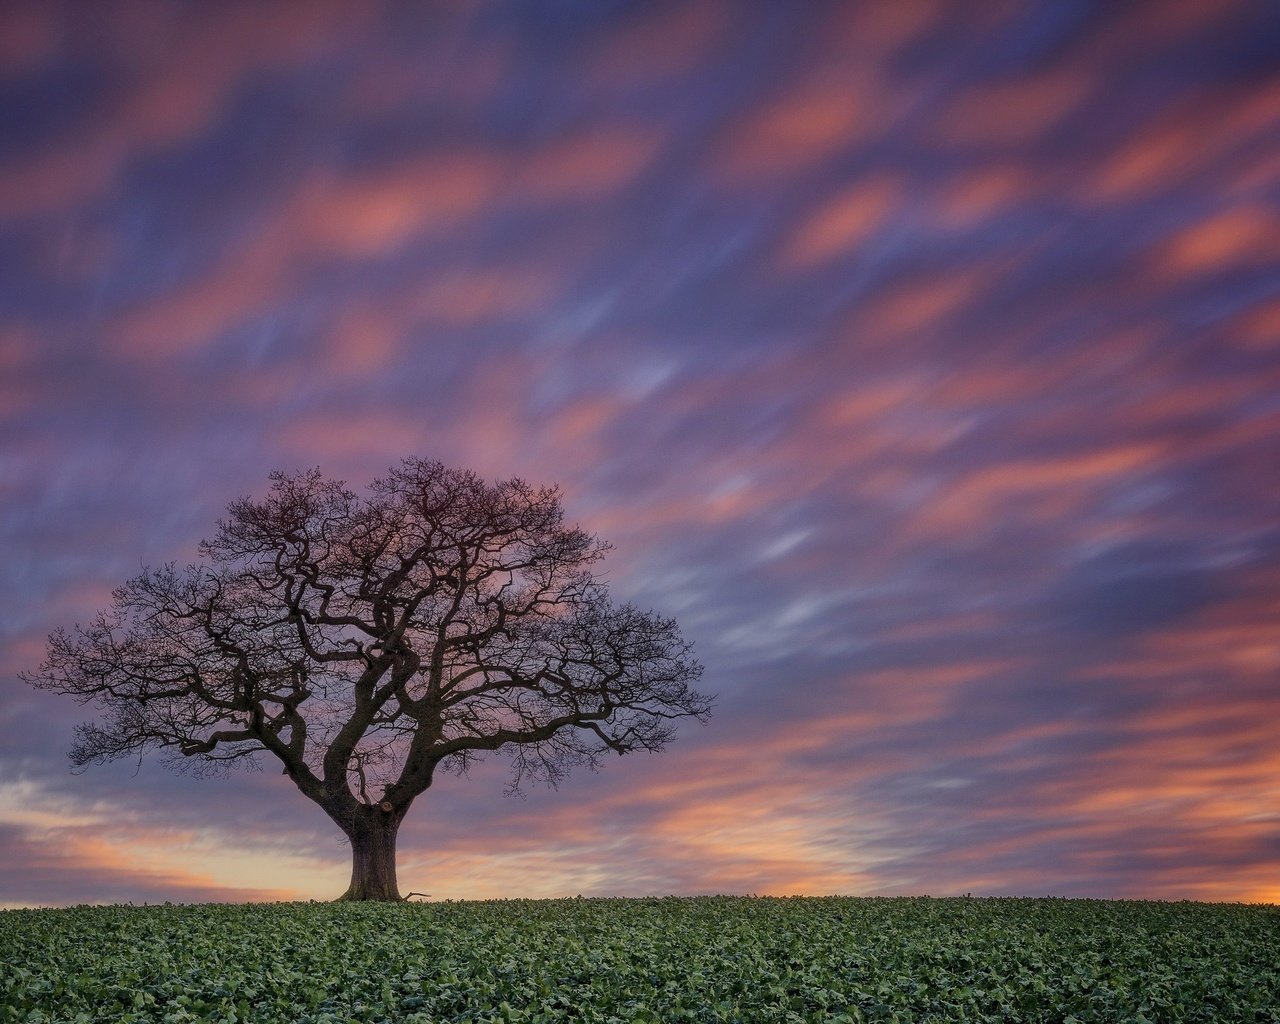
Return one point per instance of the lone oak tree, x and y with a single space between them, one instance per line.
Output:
366 641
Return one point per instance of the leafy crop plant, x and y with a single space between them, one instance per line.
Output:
722 960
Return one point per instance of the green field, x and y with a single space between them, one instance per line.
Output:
674 959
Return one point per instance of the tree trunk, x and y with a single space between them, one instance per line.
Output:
372 832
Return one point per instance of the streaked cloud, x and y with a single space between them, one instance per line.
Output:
920 357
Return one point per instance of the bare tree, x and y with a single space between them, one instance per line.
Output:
365 641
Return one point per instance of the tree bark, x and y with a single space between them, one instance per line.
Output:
372 832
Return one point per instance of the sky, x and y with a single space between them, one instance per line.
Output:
921 358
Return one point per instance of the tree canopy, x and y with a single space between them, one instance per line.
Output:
365 641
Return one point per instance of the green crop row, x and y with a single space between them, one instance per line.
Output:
705 959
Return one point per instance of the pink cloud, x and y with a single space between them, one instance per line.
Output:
659 43
916 306
882 28
352 438
189 318
1248 235
28 37
370 213
841 223
834 106
181 73
1258 328
586 166
953 456
1050 489
369 337
1013 113
354 218
18 356
978 197
55 854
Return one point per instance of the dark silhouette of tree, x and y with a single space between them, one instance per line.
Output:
366 641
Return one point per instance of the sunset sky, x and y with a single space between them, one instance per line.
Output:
923 359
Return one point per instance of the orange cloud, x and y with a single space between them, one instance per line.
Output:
1133 28
1007 380
1257 175
1181 143
370 213
864 404
588 166
916 306
579 425
1244 235
659 43
364 342
487 294
735 837
1189 764
759 814
28 37
880 29
400 77
1150 159
938 626
751 818
839 225
181 72
1047 489
97 853
193 316
18 353
979 195
724 497
1258 329
799 129
771 839
123 863
357 218
353 438
369 337
1012 113
483 422
56 179
758 827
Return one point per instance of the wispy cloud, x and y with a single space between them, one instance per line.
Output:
921 358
